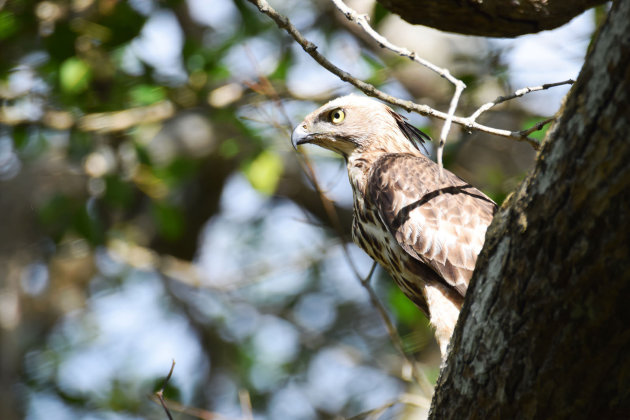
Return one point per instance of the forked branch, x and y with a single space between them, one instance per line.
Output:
468 122
483 108
362 21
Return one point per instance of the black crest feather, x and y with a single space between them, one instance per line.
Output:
415 136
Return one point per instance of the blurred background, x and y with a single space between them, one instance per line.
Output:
152 208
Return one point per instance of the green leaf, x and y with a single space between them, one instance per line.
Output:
74 75
146 94
89 225
178 171
432 374
282 69
169 220
81 144
118 193
264 172
55 215
405 310
539 134
124 23
195 62
60 44
219 73
8 24
378 14
229 148
171 392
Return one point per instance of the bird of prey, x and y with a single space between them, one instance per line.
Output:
426 230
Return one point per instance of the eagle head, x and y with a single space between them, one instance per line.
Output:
357 123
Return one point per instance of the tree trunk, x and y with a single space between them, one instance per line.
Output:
501 18
545 329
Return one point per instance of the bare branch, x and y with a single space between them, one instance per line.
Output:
196 412
538 126
483 108
362 21
447 124
160 393
407 399
370 90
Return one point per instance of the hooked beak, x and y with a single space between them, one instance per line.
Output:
299 136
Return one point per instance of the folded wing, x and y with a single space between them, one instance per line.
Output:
440 222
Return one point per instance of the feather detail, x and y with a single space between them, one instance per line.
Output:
428 217
413 134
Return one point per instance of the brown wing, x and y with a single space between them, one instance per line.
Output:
440 223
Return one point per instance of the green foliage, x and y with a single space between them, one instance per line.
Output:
146 94
8 24
56 215
169 220
219 73
538 134
406 312
120 399
494 178
80 145
433 374
378 14
378 76
122 23
264 172
229 148
171 391
74 75
284 64
30 141
60 44
62 214
118 193
88 224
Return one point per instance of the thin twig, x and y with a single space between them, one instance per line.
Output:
246 404
459 87
284 23
419 376
538 126
196 412
362 21
407 399
160 393
483 108
329 208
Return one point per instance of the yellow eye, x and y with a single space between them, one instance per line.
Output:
337 116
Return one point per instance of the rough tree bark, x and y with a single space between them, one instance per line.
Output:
545 329
500 18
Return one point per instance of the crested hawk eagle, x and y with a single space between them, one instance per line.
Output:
426 230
